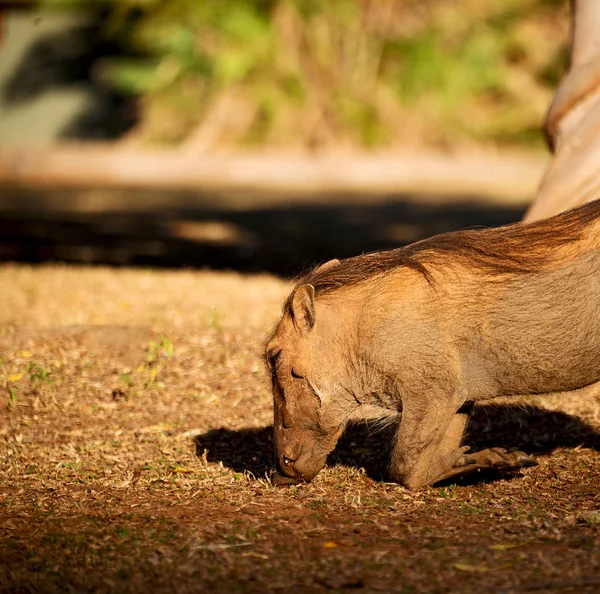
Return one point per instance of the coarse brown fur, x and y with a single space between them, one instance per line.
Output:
429 329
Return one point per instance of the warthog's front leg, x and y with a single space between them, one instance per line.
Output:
427 448
427 442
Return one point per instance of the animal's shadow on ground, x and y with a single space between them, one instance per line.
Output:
533 430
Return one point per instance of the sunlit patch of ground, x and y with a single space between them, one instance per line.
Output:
135 452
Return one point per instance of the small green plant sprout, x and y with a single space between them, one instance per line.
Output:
215 319
160 350
38 373
126 379
12 398
448 492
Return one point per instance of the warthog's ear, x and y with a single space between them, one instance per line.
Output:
303 307
327 265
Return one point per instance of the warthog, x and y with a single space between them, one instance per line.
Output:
430 329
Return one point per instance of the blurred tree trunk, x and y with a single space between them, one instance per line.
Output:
573 122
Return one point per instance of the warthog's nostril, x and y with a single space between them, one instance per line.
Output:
286 464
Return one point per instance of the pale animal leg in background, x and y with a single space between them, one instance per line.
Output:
573 122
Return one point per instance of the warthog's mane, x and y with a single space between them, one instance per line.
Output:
516 248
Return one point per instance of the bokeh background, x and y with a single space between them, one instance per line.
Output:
267 134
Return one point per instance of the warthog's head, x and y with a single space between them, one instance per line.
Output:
307 364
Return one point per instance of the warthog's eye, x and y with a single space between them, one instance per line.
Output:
287 461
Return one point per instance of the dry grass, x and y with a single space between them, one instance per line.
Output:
135 450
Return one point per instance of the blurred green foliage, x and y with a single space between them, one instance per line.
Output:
340 72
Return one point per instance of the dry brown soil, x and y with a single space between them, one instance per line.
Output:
135 451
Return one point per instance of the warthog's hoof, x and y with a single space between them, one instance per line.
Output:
279 480
514 460
501 459
527 461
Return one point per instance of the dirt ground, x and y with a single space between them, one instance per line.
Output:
135 450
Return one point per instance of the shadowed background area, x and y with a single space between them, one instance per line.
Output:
282 235
48 88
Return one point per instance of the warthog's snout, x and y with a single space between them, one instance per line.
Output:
301 468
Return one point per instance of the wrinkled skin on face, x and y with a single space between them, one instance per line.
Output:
306 371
